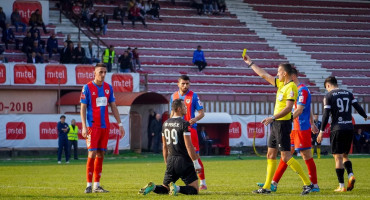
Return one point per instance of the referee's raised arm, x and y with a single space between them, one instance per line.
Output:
261 72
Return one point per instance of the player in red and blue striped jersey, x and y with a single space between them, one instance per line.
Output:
95 97
193 104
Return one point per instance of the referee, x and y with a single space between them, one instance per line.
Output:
338 103
281 123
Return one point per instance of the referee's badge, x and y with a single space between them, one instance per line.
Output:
280 98
291 94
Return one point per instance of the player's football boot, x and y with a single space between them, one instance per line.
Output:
88 189
262 191
273 187
203 187
340 189
315 189
173 189
147 189
99 189
307 189
351 183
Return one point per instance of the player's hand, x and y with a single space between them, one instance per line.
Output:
192 121
84 132
367 118
319 137
247 59
267 121
314 129
197 166
121 132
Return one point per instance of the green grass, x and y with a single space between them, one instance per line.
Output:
125 175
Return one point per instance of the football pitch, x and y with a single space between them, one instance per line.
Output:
123 176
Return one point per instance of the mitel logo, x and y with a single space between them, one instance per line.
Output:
256 128
326 133
26 8
122 82
2 73
55 74
15 130
84 74
48 131
235 130
24 74
113 131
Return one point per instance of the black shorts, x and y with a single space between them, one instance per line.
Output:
341 141
179 167
280 135
314 140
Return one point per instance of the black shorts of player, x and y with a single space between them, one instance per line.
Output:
179 167
341 141
280 135
314 140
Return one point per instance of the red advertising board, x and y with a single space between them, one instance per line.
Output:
84 74
122 83
55 74
235 130
24 74
15 130
255 128
26 8
48 130
2 73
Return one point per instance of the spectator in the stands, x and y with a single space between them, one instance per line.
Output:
8 37
2 19
136 15
103 22
135 59
130 54
130 5
68 40
69 55
90 54
52 45
154 11
17 21
119 14
147 6
33 58
36 37
140 5
79 54
85 15
63 52
214 4
36 20
221 6
199 6
27 44
3 59
198 58
94 20
125 63
108 57
208 9
38 51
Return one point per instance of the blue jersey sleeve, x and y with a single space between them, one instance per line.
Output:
111 95
85 95
302 97
198 105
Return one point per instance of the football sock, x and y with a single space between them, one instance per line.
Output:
312 173
271 166
318 151
160 189
279 171
312 151
201 175
348 167
96 184
297 168
90 169
188 190
89 184
340 175
203 182
98 167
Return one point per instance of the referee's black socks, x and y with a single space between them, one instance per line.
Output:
340 175
188 190
348 166
160 189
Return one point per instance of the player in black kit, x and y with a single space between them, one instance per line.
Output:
338 103
179 155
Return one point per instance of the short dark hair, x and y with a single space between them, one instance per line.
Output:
199 46
100 65
177 103
184 77
332 80
62 117
294 71
287 68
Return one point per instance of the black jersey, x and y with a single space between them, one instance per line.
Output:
339 103
174 130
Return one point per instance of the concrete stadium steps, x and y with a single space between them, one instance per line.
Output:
309 9
350 73
325 4
320 24
355 81
359 90
345 65
313 17
325 32
341 56
328 40
335 48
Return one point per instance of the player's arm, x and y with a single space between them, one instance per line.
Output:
325 118
297 112
83 119
118 119
191 151
282 113
164 149
359 109
198 117
314 128
261 72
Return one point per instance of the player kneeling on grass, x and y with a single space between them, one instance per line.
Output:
179 156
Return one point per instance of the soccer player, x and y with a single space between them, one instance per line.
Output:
338 103
314 137
193 104
179 155
95 97
300 136
281 123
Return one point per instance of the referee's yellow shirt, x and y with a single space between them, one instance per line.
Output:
284 93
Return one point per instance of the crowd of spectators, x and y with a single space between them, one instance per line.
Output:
209 7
